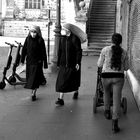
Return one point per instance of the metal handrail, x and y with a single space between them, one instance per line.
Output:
88 17
88 14
115 18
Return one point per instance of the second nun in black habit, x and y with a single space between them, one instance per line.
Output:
69 63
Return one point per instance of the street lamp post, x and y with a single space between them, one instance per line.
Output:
48 42
0 17
57 36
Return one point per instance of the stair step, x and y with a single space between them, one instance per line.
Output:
102 12
100 41
97 46
101 24
102 21
101 17
101 34
96 33
105 2
98 29
106 14
99 38
90 52
103 7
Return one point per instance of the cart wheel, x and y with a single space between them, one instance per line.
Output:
12 79
94 104
2 85
124 105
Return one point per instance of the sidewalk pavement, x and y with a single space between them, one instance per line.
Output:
22 119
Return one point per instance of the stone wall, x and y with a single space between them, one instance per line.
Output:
128 24
21 28
133 46
125 20
122 20
134 38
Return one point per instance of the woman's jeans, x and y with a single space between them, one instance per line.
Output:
115 85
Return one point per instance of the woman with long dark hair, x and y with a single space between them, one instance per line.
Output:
114 61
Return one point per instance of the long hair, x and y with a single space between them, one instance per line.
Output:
116 51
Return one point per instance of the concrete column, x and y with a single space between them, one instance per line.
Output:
0 17
57 31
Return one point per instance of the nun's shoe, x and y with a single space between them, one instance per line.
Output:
33 97
59 102
75 95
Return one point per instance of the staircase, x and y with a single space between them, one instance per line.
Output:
100 24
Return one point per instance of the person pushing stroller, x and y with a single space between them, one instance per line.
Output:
114 61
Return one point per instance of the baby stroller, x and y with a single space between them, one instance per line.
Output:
98 97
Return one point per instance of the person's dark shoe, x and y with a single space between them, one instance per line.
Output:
59 102
107 114
115 127
33 97
75 95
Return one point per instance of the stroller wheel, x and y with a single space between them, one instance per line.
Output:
94 105
44 82
12 79
2 85
124 105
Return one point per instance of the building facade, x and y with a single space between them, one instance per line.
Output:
129 25
19 15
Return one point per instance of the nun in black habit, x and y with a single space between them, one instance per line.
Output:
34 52
69 63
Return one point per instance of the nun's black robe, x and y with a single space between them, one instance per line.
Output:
34 52
69 54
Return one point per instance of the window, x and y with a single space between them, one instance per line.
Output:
34 4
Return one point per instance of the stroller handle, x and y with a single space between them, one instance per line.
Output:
12 45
